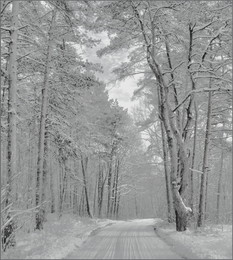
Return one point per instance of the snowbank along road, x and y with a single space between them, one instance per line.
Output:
125 240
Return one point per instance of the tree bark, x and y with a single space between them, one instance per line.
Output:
167 176
44 105
94 197
193 159
219 190
52 207
118 205
63 184
29 174
109 182
44 178
206 193
12 90
101 182
60 180
136 205
201 212
100 189
75 199
8 233
81 203
174 136
84 169
116 187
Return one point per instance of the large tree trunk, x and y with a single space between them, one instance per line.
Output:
202 199
44 177
81 203
100 189
219 190
175 144
118 205
94 197
84 162
136 205
52 193
44 105
63 184
60 180
8 233
109 182
116 187
75 199
167 176
12 89
175 141
29 173
193 158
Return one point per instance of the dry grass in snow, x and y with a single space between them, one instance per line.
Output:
58 238
211 242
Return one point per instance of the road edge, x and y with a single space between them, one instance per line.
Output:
98 229
176 246
86 236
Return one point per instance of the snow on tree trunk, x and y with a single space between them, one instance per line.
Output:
12 89
52 208
8 232
63 181
84 162
100 189
193 159
44 105
44 175
110 182
167 176
181 211
219 190
174 136
116 187
202 199
94 197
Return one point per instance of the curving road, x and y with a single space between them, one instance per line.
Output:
125 240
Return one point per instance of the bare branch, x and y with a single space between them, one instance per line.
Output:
221 8
6 29
228 81
203 27
171 71
27 54
4 7
199 91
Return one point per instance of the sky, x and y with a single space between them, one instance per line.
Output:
120 90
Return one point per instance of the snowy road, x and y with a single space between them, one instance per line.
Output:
125 240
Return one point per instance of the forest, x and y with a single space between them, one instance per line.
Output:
67 147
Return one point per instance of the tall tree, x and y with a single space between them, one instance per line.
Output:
204 183
170 48
84 163
44 106
12 107
219 186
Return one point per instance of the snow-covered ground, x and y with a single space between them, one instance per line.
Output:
58 238
211 242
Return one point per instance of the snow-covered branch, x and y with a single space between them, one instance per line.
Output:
199 91
214 77
176 67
